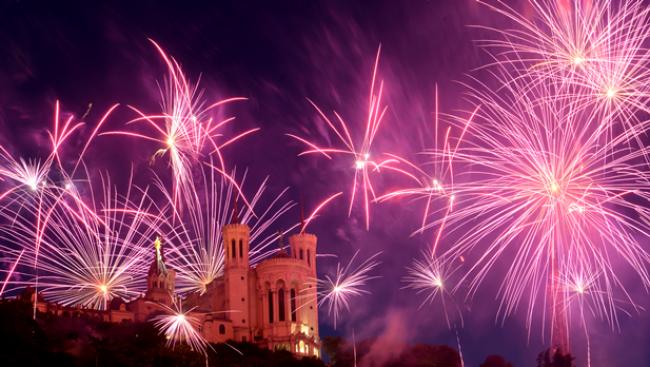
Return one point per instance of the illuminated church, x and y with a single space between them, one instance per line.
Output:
272 305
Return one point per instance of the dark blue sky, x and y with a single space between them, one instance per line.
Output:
277 54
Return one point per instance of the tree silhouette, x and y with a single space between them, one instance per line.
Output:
554 357
495 361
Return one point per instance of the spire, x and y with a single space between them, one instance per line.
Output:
235 212
158 264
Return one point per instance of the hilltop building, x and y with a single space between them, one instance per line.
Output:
272 304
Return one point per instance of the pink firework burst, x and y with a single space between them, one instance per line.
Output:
87 254
540 183
358 152
337 291
181 326
185 130
594 51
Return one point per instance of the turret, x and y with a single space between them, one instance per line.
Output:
235 241
236 247
303 247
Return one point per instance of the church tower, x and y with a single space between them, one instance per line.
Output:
303 248
235 242
160 280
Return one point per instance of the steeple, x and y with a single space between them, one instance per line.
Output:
160 280
158 264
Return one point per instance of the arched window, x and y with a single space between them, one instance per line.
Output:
308 257
281 305
293 305
301 254
270 306
222 329
234 250
241 249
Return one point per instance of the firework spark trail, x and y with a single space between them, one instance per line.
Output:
434 186
361 158
430 276
336 291
557 162
595 52
185 129
10 273
181 326
537 181
88 258
580 288
318 208
196 249
429 186
29 181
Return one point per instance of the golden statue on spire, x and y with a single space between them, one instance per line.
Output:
157 244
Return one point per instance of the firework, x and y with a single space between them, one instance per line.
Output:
318 208
553 173
436 184
185 130
594 51
538 182
181 326
360 157
31 188
10 273
88 254
430 276
336 291
196 248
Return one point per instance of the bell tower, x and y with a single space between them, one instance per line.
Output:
236 237
160 280
303 246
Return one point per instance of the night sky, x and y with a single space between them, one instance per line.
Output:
277 54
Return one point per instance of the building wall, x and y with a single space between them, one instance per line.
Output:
284 326
236 237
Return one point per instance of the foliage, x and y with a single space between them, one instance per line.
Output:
84 341
341 354
555 358
495 361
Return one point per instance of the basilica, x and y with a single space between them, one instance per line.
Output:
273 304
